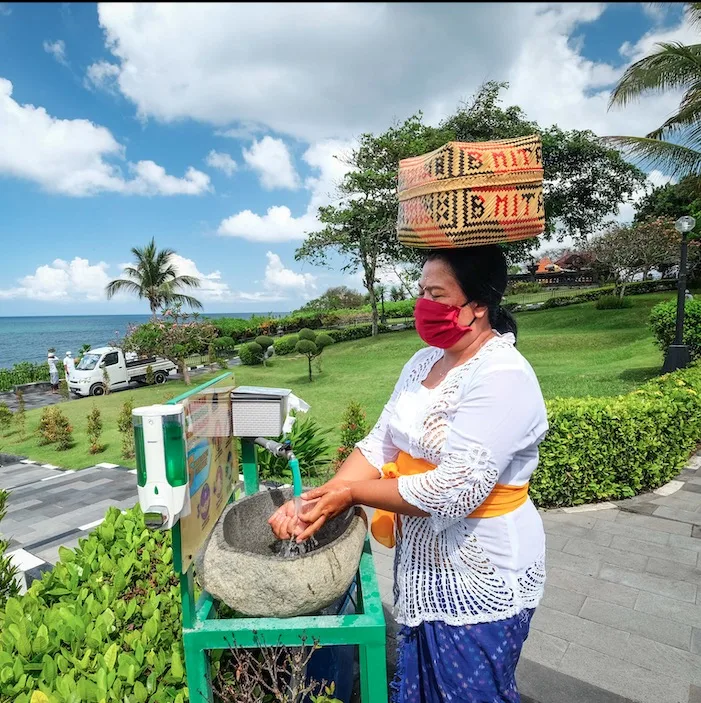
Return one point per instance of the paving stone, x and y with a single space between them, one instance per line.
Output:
544 649
632 682
672 553
694 694
555 542
662 567
583 548
633 621
683 516
542 684
696 531
691 487
601 637
588 586
668 587
677 528
679 611
563 600
693 543
684 501
696 640
551 521
669 661
627 530
570 562
562 532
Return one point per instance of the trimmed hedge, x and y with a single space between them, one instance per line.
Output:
285 345
663 319
104 624
613 448
251 354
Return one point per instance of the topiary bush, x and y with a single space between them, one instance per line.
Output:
663 323
612 448
613 302
285 345
307 334
251 354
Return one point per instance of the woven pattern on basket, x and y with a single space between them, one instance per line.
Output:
467 194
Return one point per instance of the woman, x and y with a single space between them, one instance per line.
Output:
470 546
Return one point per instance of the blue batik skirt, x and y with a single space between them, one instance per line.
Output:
438 663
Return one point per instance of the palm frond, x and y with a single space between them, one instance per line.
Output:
184 299
672 159
185 282
121 285
673 66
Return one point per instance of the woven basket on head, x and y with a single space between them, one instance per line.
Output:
467 194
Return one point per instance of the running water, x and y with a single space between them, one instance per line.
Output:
291 548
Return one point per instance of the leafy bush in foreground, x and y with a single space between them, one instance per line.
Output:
663 319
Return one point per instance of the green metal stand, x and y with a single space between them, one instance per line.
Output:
203 631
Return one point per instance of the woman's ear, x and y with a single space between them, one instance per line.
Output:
472 311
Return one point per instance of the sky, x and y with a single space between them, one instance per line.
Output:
215 128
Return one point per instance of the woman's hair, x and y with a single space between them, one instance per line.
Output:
482 274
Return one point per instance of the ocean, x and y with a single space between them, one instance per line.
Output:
29 338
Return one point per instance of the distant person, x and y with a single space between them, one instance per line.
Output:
68 364
687 295
53 372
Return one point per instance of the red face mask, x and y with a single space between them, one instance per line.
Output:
437 323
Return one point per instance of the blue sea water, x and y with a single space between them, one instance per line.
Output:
29 338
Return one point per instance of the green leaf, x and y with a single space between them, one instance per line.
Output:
111 656
66 555
176 666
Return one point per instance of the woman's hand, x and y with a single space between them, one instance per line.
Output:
285 523
333 498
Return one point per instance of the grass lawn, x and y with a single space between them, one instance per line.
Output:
575 351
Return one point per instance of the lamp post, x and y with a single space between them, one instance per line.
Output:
678 353
532 268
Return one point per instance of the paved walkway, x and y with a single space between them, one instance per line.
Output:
621 617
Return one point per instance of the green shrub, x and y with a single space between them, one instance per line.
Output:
613 302
311 445
126 428
8 572
612 448
285 345
307 334
264 341
523 288
224 345
323 340
663 322
5 418
21 415
251 354
95 430
104 624
54 428
354 427
150 376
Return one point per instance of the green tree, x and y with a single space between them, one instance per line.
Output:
354 427
584 180
674 147
175 336
155 278
362 227
671 200
337 298
312 345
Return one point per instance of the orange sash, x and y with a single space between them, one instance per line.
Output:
502 500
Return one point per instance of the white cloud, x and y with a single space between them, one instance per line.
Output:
279 278
73 157
271 160
102 75
244 130
221 161
62 281
314 88
212 288
655 179
278 224
57 49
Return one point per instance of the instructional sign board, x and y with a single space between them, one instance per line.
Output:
211 464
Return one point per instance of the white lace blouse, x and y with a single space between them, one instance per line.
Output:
481 426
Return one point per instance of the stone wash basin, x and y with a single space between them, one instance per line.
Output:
241 566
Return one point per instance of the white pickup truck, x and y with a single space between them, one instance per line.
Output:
88 376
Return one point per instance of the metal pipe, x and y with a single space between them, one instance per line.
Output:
285 451
681 291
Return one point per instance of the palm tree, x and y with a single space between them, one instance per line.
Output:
155 278
673 66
